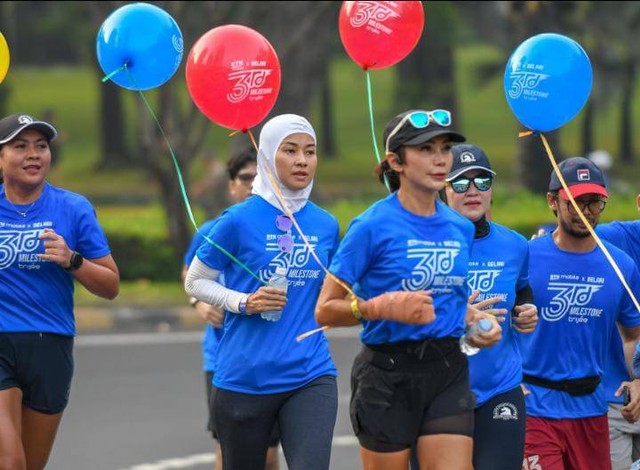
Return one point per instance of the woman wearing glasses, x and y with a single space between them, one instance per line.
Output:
262 375
410 382
498 267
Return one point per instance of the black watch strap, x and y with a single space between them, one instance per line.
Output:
75 262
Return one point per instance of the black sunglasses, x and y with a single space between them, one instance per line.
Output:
462 185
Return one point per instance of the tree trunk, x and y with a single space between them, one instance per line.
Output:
534 167
432 62
586 136
113 150
327 137
627 154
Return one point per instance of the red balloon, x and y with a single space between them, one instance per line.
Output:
233 76
380 34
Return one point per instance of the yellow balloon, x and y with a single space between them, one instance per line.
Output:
4 57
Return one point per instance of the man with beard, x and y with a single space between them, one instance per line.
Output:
580 301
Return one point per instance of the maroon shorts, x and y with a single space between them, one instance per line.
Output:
567 444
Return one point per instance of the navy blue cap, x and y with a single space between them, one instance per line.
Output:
468 157
581 175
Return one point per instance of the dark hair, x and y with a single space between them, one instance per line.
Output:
239 160
384 170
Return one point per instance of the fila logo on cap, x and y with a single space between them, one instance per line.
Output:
584 175
24 119
467 157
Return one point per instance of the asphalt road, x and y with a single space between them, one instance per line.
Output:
137 403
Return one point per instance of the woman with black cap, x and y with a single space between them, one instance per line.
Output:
499 267
409 252
51 237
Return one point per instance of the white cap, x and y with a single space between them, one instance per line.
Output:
281 270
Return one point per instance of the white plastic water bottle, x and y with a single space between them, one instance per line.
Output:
635 465
280 281
482 325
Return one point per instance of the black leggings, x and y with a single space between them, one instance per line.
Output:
498 438
306 417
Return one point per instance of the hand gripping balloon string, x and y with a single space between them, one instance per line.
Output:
181 181
586 222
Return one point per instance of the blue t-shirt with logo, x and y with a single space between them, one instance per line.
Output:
626 236
258 356
211 336
388 248
579 299
499 267
37 295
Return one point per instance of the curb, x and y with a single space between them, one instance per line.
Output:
121 319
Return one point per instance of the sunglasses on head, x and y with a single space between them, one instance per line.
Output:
420 120
285 241
462 185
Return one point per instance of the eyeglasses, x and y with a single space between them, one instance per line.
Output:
462 185
285 241
246 177
420 120
595 206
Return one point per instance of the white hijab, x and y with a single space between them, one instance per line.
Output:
271 136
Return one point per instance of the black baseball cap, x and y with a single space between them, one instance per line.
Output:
468 157
581 175
11 126
408 134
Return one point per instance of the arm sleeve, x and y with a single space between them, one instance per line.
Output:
201 283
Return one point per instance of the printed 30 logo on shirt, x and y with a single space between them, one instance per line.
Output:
571 299
432 264
482 279
20 246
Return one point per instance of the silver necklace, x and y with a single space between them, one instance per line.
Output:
24 212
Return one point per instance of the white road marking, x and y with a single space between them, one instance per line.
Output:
202 459
177 337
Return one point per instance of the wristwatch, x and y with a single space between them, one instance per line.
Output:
242 305
75 262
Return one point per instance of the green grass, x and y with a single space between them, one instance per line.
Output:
344 183
141 293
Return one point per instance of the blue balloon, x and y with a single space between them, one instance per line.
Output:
547 81
146 39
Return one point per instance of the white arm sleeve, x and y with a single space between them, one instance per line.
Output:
201 283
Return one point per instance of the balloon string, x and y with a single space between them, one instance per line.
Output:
373 127
586 223
182 186
119 69
287 211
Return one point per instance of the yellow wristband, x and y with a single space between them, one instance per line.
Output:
355 310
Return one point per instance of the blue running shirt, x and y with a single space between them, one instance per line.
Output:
499 268
626 236
258 356
211 336
579 299
37 295
388 248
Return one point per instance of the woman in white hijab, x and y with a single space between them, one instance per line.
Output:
263 376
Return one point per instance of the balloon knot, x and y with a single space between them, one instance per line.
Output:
525 133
